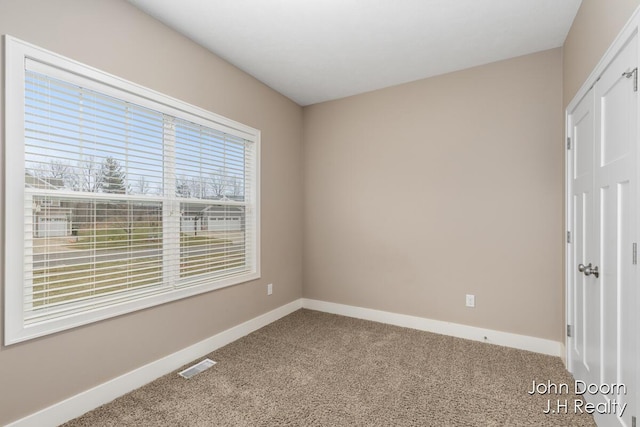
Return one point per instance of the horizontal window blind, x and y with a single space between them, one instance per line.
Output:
211 167
79 249
81 140
124 201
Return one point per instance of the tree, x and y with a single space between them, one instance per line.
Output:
142 185
190 187
113 178
237 187
198 187
88 175
218 183
56 173
183 189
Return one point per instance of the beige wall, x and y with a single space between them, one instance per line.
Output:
595 27
114 36
418 194
413 195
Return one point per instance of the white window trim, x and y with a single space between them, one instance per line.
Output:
17 52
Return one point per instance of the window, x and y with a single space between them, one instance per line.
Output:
117 197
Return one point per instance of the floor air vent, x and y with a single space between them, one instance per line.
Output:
197 368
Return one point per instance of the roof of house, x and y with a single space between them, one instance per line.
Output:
32 181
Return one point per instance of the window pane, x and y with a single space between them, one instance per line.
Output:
83 249
81 140
212 239
209 164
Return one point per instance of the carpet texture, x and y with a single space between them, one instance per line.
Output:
318 369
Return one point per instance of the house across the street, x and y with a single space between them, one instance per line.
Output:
50 217
198 217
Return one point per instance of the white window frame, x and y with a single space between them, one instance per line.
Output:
17 52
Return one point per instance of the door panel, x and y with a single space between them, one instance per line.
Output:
585 348
609 282
583 139
616 141
579 300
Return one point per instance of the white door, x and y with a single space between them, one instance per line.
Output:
603 209
585 295
54 226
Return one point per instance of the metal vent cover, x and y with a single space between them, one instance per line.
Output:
197 368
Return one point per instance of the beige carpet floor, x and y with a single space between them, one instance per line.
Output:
318 369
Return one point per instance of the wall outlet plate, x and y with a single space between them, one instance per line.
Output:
269 288
471 300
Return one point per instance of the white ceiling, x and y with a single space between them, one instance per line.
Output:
317 50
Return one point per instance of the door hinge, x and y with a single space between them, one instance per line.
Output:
569 331
635 253
568 143
568 237
633 73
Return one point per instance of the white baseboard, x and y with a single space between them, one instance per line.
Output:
563 355
522 342
79 404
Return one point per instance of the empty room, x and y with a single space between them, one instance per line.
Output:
319 213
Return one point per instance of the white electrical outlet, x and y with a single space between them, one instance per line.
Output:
471 300
269 288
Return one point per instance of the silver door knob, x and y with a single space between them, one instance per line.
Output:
591 270
588 270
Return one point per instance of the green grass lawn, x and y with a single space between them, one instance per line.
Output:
201 264
141 237
80 281
73 282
